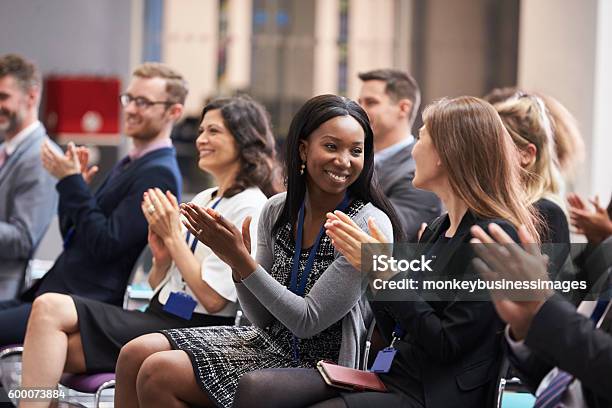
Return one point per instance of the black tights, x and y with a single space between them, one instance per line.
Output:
287 388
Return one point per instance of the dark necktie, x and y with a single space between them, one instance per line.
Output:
119 167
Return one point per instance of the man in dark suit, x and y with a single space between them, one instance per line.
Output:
27 197
391 98
104 232
562 354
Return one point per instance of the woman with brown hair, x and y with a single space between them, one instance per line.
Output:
449 349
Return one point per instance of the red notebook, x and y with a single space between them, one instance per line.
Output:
349 378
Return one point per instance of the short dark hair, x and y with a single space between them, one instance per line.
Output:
310 117
249 124
25 72
176 86
398 85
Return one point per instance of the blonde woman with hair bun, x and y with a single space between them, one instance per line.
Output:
527 120
529 124
568 143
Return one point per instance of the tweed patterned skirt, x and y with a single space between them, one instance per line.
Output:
221 355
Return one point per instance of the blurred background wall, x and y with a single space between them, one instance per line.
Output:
283 52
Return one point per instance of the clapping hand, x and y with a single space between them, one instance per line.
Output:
499 257
60 166
160 252
162 213
230 244
347 237
595 225
87 172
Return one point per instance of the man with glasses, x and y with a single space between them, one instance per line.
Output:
104 232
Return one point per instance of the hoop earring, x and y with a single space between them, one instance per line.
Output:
302 167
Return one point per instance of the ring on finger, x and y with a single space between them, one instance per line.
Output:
151 209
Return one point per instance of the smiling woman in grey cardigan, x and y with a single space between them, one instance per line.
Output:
302 296
335 296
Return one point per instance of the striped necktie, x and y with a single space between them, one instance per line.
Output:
553 393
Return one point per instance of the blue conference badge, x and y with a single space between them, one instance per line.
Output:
383 361
180 304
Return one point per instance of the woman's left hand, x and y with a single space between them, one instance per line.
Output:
162 213
227 242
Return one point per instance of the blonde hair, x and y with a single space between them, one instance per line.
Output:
471 139
568 140
176 86
526 119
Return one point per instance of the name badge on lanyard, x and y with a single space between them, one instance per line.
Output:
299 288
180 303
384 358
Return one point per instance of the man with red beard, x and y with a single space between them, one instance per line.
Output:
27 197
104 232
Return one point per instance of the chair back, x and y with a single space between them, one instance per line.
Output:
139 271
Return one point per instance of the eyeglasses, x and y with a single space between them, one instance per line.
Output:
140 101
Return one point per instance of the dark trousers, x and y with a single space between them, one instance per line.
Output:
14 316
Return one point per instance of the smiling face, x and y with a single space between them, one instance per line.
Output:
147 122
216 145
429 172
334 155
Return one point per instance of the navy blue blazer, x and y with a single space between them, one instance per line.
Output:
105 232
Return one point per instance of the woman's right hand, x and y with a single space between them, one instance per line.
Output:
347 237
160 252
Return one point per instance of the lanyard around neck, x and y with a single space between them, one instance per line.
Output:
301 289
